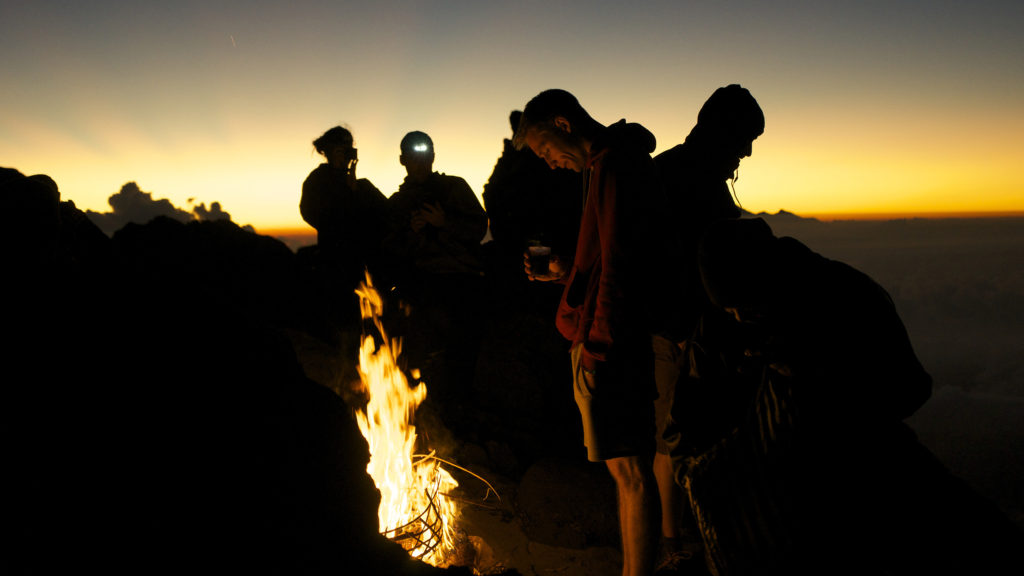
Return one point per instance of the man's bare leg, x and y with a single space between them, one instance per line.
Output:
638 513
671 497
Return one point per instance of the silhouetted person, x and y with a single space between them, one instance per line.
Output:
603 311
528 203
348 213
811 469
433 246
695 175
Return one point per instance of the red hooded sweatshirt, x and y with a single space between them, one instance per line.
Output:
608 294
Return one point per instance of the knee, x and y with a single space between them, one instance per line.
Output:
631 473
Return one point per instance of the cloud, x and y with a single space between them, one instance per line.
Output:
214 213
132 204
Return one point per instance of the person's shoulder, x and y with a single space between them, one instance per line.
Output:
365 184
673 155
448 177
323 168
319 172
318 176
629 137
451 182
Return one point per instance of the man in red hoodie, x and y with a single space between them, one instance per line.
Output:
604 306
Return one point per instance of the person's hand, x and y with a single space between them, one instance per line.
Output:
433 214
556 269
350 175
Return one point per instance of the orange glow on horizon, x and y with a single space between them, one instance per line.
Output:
256 172
100 97
833 216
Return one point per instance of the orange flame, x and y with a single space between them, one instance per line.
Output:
414 509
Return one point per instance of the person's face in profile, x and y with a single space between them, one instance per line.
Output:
730 151
558 147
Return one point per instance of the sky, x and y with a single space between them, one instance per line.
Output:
871 107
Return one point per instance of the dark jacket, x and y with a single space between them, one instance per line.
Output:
697 195
528 201
452 249
350 224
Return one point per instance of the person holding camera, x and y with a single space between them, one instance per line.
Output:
348 213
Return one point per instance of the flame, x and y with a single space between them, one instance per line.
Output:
414 508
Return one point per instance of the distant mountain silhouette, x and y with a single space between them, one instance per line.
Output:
781 214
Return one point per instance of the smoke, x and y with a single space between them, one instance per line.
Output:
133 205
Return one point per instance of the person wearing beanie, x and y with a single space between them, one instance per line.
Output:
695 175
437 221
435 261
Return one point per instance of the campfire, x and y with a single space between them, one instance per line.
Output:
415 509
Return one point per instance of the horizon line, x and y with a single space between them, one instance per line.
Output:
894 215
306 230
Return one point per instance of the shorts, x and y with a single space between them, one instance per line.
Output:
616 404
668 358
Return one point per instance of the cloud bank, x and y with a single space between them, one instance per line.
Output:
133 205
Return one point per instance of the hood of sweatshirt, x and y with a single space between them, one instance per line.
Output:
628 134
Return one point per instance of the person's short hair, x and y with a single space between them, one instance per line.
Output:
336 136
731 112
417 142
541 111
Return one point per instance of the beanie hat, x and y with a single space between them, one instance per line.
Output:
417 142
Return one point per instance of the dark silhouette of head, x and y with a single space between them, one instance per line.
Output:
336 145
417 155
727 126
557 128
513 120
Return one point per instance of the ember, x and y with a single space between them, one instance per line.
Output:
415 509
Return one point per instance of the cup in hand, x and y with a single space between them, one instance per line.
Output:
540 258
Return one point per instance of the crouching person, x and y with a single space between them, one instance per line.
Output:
801 462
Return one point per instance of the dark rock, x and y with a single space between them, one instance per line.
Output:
30 231
568 503
217 265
